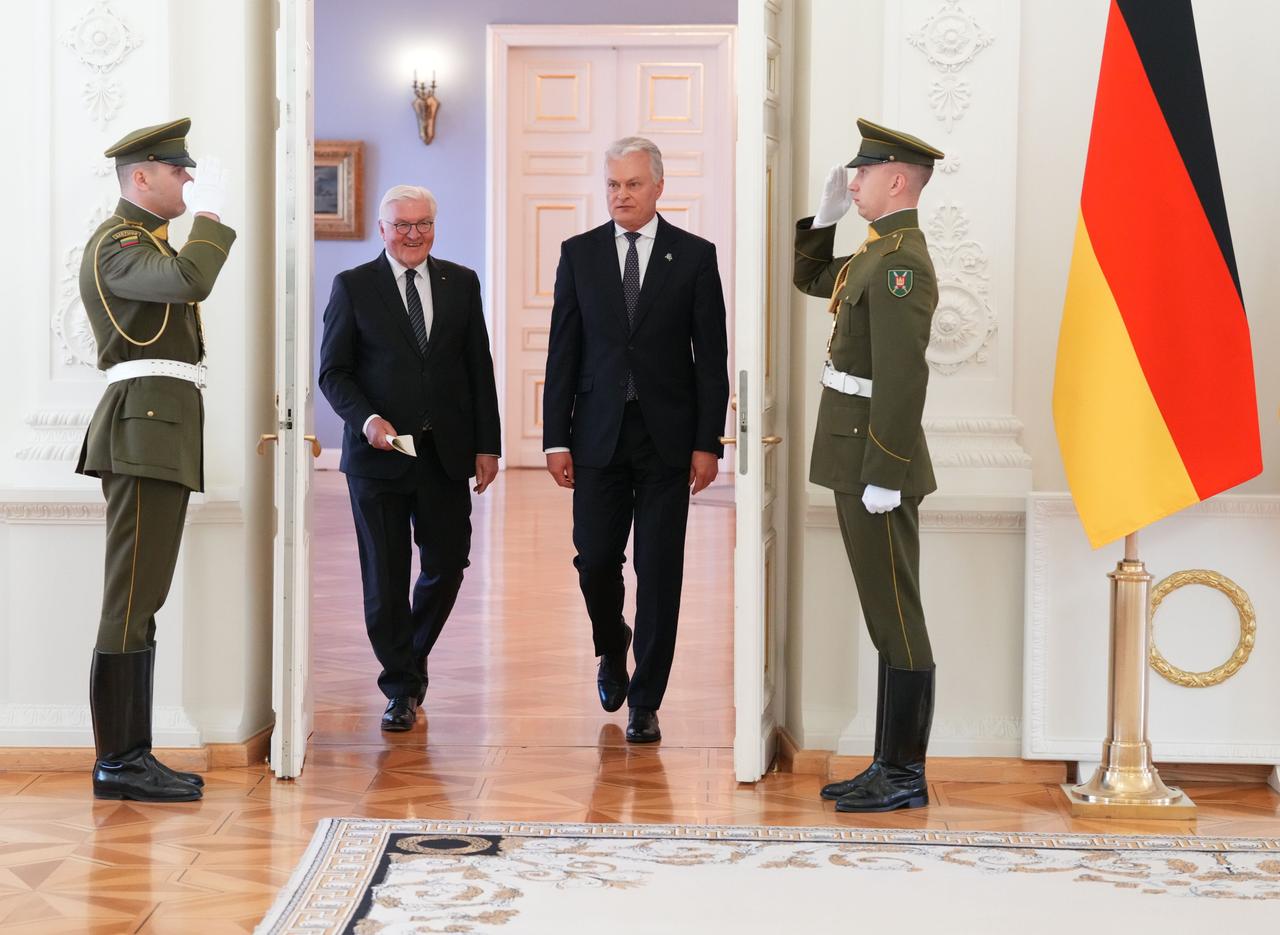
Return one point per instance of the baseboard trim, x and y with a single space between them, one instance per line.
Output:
249 752
988 769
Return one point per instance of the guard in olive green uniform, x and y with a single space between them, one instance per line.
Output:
145 439
869 446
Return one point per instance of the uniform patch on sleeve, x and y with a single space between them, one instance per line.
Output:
126 238
901 281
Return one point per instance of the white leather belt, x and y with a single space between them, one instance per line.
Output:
129 369
845 383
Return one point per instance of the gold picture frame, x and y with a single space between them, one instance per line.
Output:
338 190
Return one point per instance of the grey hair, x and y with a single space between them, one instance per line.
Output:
406 193
636 144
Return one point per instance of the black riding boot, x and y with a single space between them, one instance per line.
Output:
120 698
908 714
835 790
194 778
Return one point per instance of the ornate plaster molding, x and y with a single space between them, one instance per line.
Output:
101 40
976 441
951 38
964 323
59 434
52 513
58 718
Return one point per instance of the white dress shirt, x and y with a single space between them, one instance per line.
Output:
644 248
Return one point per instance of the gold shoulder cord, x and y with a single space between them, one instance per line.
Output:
103 298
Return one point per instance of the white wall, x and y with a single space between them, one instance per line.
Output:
973 545
210 60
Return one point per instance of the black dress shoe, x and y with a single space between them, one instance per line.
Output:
400 714
612 680
642 726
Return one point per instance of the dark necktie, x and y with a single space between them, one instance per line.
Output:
631 295
414 302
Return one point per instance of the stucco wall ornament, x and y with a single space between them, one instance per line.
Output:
950 39
964 323
101 40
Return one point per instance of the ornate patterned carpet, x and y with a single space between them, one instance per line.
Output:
363 877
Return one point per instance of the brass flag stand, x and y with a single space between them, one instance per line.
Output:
1127 784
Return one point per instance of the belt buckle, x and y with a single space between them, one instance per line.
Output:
851 385
201 371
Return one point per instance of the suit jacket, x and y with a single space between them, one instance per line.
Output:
141 296
370 363
677 350
884 296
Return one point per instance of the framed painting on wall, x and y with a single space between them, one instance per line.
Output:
339 190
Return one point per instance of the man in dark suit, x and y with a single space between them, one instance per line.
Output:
405 362
633 409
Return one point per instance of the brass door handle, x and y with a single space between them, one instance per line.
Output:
262 442
771 439
315 445
728 439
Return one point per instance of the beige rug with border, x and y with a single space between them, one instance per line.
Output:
363 876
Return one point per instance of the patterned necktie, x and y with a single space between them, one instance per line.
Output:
631 295
414 301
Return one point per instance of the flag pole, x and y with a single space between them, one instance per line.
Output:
1127 784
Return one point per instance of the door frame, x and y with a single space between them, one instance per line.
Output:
502 40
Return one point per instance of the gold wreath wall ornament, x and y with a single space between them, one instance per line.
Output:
1248 628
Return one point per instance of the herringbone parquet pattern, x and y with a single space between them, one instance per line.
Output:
512 731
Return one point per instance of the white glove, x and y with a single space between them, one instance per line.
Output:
879 500
836 198
208 193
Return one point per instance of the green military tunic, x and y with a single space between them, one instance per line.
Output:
145 438
883 298
141 299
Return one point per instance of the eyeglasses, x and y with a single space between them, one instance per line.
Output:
403 227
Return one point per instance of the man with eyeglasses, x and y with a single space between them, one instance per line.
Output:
405 363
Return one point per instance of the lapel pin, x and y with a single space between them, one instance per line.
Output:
668 257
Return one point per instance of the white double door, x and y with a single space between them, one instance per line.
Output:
561 104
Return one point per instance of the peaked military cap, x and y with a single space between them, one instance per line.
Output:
164 142
880 144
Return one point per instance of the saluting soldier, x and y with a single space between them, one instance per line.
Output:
869 446
145 439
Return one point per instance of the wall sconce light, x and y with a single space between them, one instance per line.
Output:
425 106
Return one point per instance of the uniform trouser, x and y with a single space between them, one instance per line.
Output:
884 552
145 518
636 484
438 510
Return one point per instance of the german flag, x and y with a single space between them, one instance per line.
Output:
1153 397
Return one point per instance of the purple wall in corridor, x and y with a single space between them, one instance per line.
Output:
364 58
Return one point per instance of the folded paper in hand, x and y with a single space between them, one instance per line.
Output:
403 444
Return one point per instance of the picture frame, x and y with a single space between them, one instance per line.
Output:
338 190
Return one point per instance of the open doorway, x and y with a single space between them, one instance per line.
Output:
513 667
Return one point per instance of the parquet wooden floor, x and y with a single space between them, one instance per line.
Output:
512 731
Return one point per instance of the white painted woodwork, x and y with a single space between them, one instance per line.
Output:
560 96
761 383
86 71
1196 628
291 610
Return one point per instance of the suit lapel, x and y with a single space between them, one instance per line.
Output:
439 288
655 273
385 280
608 252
